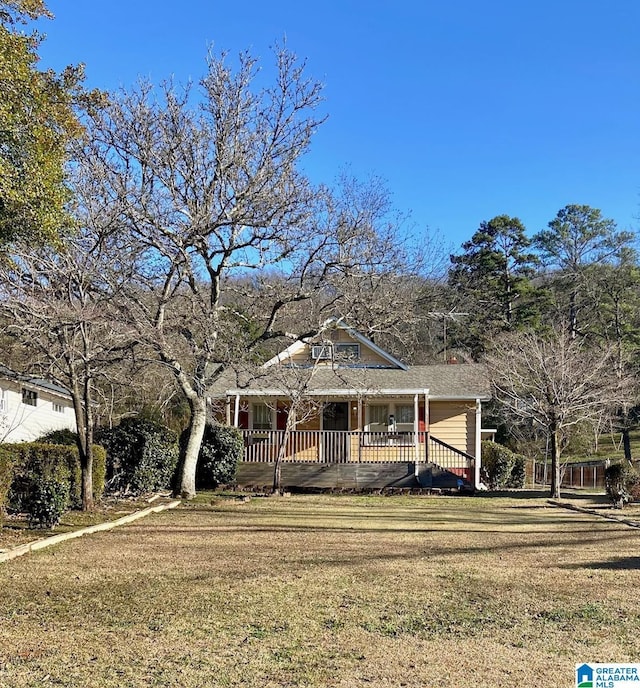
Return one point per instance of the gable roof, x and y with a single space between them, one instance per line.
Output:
40 383
338 324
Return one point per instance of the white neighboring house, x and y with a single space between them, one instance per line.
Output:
31 407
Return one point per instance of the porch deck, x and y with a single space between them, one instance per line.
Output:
355 448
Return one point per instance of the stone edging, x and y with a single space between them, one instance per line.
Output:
593 512
108 525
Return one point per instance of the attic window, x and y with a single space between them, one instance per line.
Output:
29 397
321 352
349 352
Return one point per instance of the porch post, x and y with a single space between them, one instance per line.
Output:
416 429
227 409
360 429
427 422
478 460
236 411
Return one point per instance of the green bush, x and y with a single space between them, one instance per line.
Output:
518 473
622 483
49 499
65 436
221 450
501 468
141 456
70 438
7 467
33 462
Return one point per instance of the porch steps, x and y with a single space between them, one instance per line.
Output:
348 476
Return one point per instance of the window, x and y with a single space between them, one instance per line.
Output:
397 419
29 397
58 408
261 417
378 418
321 352
348 352
405 417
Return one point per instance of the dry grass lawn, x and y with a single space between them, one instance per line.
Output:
326 591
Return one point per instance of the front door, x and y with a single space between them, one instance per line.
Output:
335 423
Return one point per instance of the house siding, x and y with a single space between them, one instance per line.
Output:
453 423
24 423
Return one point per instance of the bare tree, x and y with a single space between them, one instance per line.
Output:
59 302
554 380
233 235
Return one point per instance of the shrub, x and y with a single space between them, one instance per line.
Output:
65 436
222 448
141 455
69 438
518 472
622 483
501 468
7 467
33 462
48 500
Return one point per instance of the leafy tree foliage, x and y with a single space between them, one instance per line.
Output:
578 237
491 278
37 120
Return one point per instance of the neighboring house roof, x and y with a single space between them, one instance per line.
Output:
441 381
40 383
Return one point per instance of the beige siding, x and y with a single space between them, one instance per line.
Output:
453 422
24 423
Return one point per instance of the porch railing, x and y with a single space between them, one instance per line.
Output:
335 446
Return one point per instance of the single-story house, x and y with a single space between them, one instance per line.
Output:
31 407
342 401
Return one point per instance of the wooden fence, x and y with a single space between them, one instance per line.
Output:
587 474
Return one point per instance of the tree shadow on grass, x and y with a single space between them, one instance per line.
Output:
620 564
543 494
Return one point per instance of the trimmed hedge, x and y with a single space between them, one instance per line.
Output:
33 461
501 468
7 467
221 450
141 456
64 436
622 483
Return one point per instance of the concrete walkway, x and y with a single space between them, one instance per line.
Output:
108 525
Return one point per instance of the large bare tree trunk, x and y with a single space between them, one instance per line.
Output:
555 462
187 488
84 422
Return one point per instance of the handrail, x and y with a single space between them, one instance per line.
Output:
451 448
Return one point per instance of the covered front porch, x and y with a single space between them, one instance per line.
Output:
356 447
402 428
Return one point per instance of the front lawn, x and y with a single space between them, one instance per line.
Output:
326 591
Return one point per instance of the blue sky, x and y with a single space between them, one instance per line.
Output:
467 109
